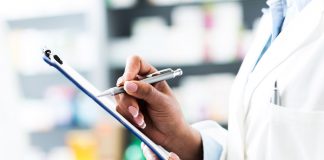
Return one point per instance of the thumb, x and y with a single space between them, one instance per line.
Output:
142 90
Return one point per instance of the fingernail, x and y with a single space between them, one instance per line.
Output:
148 154
130 87
133 111
119 81
173 156
143 126
140 122
153 157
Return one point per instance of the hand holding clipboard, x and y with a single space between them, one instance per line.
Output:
105 103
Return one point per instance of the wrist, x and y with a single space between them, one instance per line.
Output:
186 142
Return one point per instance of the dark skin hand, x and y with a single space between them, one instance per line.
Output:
155 110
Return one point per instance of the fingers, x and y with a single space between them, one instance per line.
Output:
128 107
120 81
149 155
139 119
136 66
173 156
142 90
133 114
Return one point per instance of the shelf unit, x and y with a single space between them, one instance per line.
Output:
119 23
69 22
70 19
120 20
74 20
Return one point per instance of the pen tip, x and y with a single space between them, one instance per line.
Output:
100 95
106 93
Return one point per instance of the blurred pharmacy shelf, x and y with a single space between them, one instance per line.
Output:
59 120
73 30
203 37
182 32
96 39
74 21
207 39
120 19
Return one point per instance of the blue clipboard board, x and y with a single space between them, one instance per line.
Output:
104 102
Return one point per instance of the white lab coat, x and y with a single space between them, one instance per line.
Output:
259 130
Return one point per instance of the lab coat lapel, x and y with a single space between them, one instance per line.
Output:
299 32
236 127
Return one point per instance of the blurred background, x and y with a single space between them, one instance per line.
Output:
44 117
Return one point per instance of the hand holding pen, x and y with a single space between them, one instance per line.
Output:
151 78
155 110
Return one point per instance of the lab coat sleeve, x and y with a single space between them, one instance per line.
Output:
214 139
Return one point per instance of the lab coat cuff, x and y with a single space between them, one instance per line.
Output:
214 139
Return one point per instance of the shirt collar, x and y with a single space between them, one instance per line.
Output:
300 4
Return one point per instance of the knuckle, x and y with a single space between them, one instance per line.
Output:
120 80
119 109
129 75
148 91
117 98
133 58
125 99
131 69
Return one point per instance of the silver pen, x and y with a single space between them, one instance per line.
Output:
158 76
276 95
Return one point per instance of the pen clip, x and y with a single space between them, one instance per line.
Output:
167 70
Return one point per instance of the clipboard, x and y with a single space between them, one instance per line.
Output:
104 102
